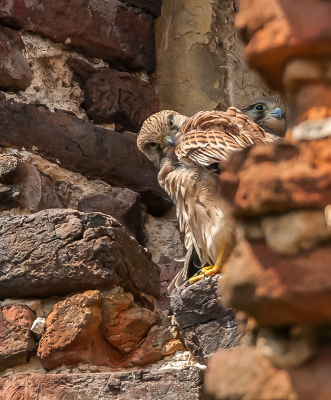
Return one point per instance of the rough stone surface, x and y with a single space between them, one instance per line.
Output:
241 373
123 204
179 360
52 84
16 341
32 366
276 290
71 187
114 97
168 384
26 190
204 324
106 329
150 6
106 30
294 176
55 187
283 31
169 242
15 73
56 252
82 147
8 169
75 319
125 324
199 58
169 269
9 197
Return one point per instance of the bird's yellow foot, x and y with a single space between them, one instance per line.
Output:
206 271
211 269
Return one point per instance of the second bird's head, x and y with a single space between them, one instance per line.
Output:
158 135
269 112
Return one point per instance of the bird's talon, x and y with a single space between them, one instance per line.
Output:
211 270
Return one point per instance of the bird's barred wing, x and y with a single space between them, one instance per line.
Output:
210 136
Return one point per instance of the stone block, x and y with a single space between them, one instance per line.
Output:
114 97
192 72
292 233
204 324
82 147
107 29
279 177
123 204
105 329
125 324
276 290
15 73
282 32
17 343
55 252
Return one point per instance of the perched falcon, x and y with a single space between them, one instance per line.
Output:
185 149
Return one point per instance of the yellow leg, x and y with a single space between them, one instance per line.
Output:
211 269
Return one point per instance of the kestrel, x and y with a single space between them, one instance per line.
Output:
186 149
269 112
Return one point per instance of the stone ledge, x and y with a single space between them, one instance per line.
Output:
204 324
82 147
56 252
138 384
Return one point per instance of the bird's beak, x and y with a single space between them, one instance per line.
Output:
277 113
169 141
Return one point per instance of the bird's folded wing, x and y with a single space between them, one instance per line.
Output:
210 136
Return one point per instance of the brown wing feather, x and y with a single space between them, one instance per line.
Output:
210 136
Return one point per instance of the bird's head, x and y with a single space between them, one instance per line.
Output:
158 135
269 112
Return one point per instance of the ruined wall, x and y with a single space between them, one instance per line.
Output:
278 277
83 221
78 288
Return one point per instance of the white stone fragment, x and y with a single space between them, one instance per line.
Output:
312 130
38 326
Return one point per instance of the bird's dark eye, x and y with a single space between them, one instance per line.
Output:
171 123
260 107
153 144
